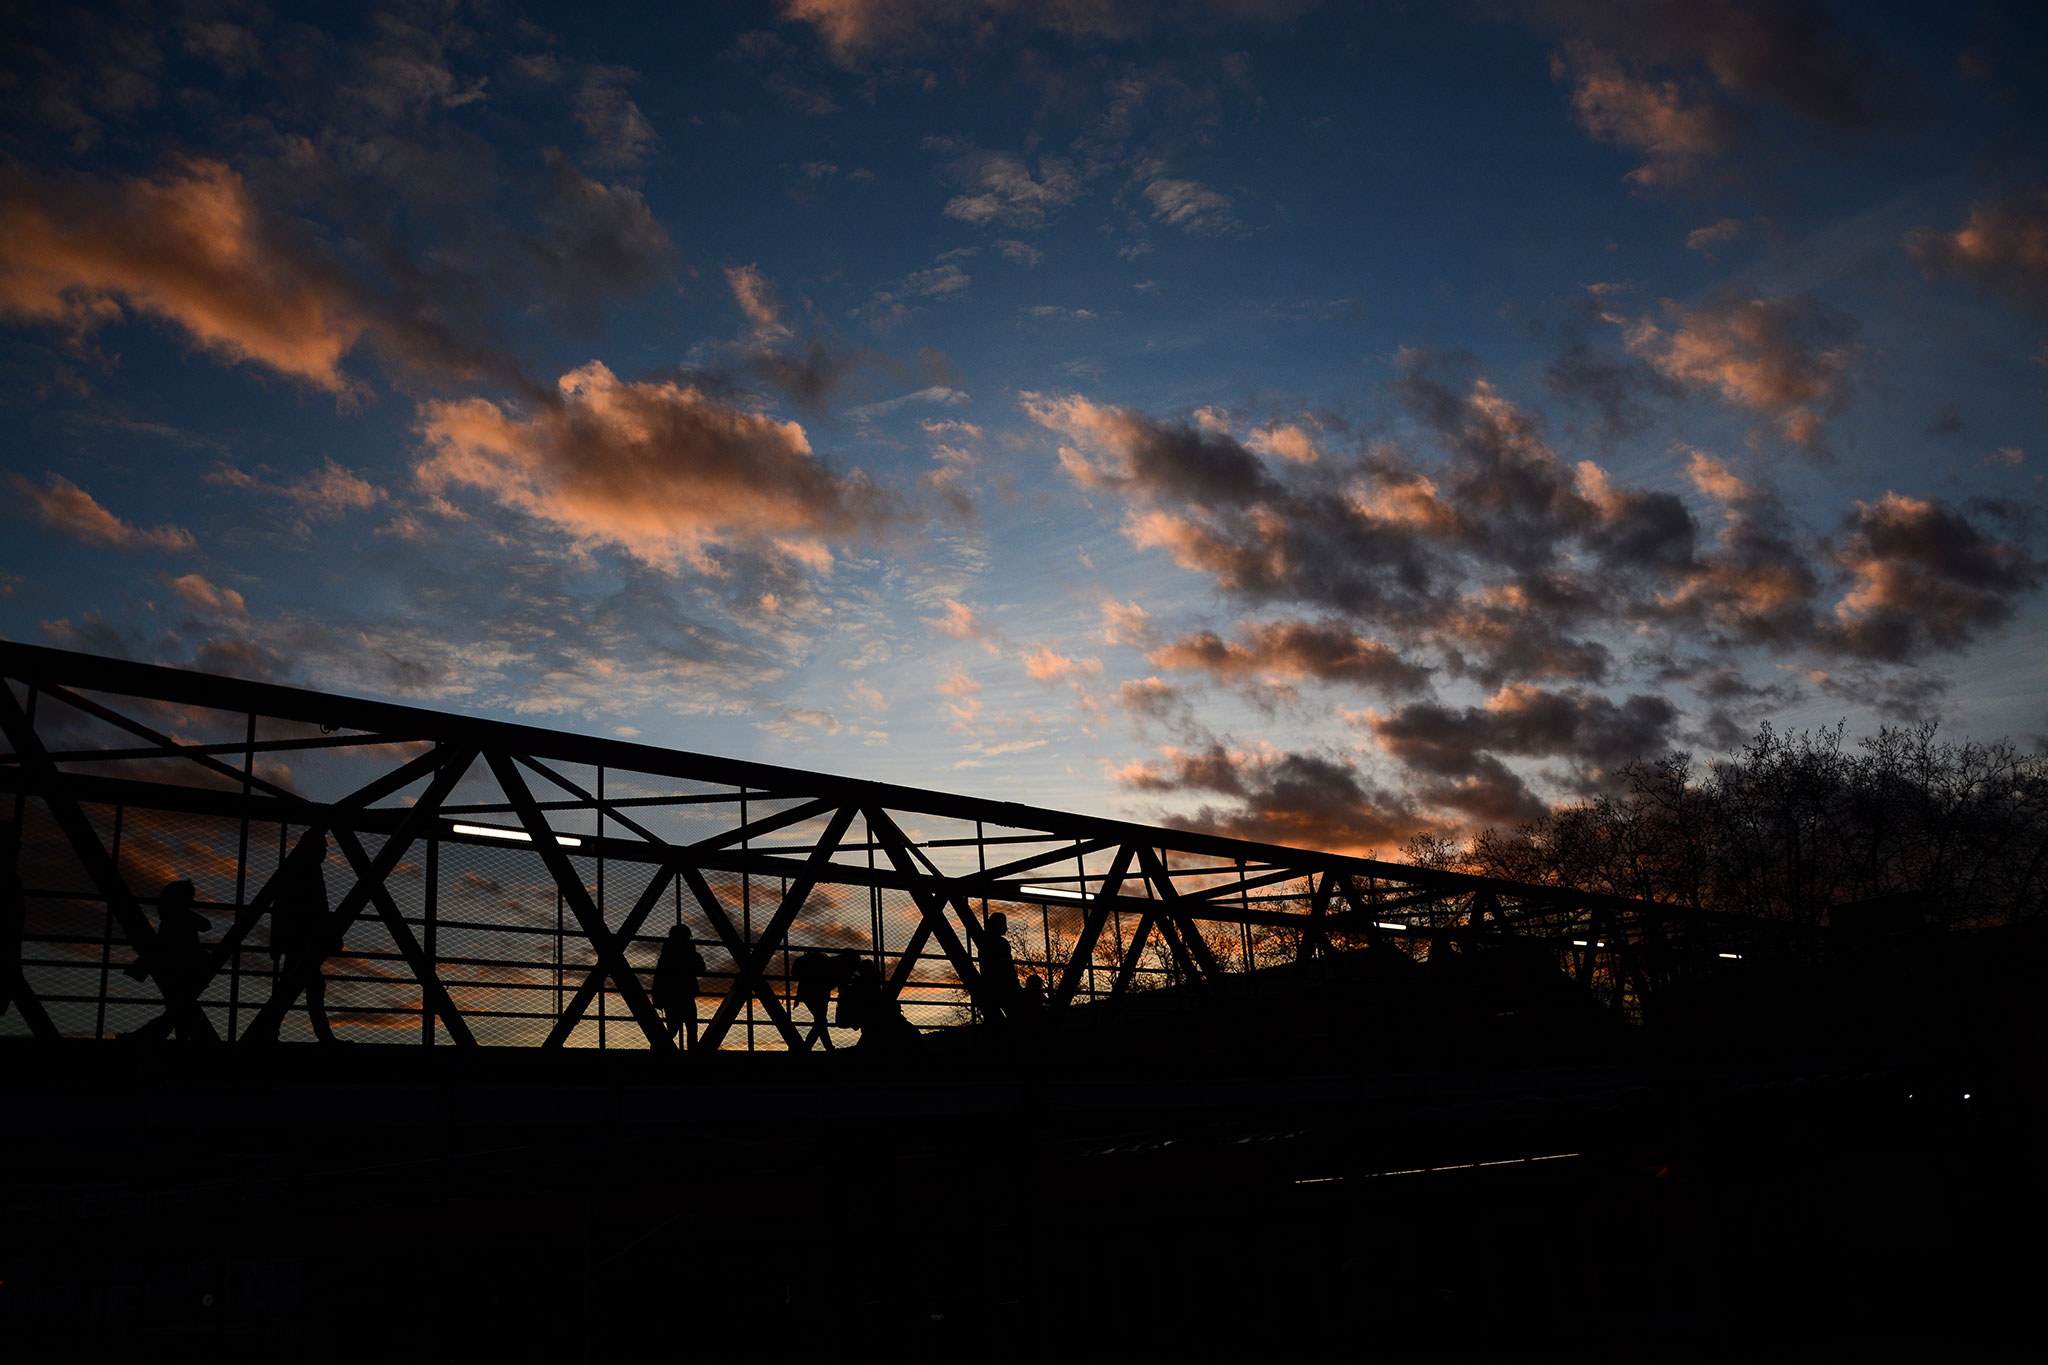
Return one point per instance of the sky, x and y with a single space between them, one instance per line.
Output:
1322 423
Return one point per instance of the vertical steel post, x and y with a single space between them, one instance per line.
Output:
99 1027
241 878
431 930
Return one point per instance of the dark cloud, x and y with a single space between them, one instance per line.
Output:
1680 80
1322 651
1620 391
1587 728
809 380
1923 577
1306 800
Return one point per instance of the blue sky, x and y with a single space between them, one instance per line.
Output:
1321 422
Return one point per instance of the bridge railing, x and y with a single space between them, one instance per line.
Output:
487 884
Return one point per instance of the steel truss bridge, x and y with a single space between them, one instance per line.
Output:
502 885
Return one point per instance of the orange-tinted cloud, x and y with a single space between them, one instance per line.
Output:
202 594
63 506
1324 651
1047 667
658 468
190 248
1678 134
2002 249
1783 357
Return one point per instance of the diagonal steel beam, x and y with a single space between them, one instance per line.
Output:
1375 937
1129 966
85 842
320 820
432 993
572 1013
931 905
1091 928
602 806
30 1004
608 949
753 966
736 948
1182 934
455 762
767 824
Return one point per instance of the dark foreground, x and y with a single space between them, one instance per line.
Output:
402 1205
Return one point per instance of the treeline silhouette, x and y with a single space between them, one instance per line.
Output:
1795 824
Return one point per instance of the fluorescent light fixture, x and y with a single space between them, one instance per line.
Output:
1056 892
1382 924
1735 956
1332 1179
1471 1165
517 836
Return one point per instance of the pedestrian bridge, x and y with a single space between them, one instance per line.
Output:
491 885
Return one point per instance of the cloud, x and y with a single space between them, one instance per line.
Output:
658 468
887 307
1044 666
1782 357
998 187
1524 720
620 135
202 595
1286 441
328 492
1715 234
1679 80
934 394
1622 392
755 296
1018 253
63 506
190 248
1306 800
962 694
596 242
1323 651
1679 136
1190 206
809 380
1922 576
962 622
1504 564
2002 249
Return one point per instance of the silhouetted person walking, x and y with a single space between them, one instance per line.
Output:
817 975
179 957
675 983
864 1005
301 931
998 967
